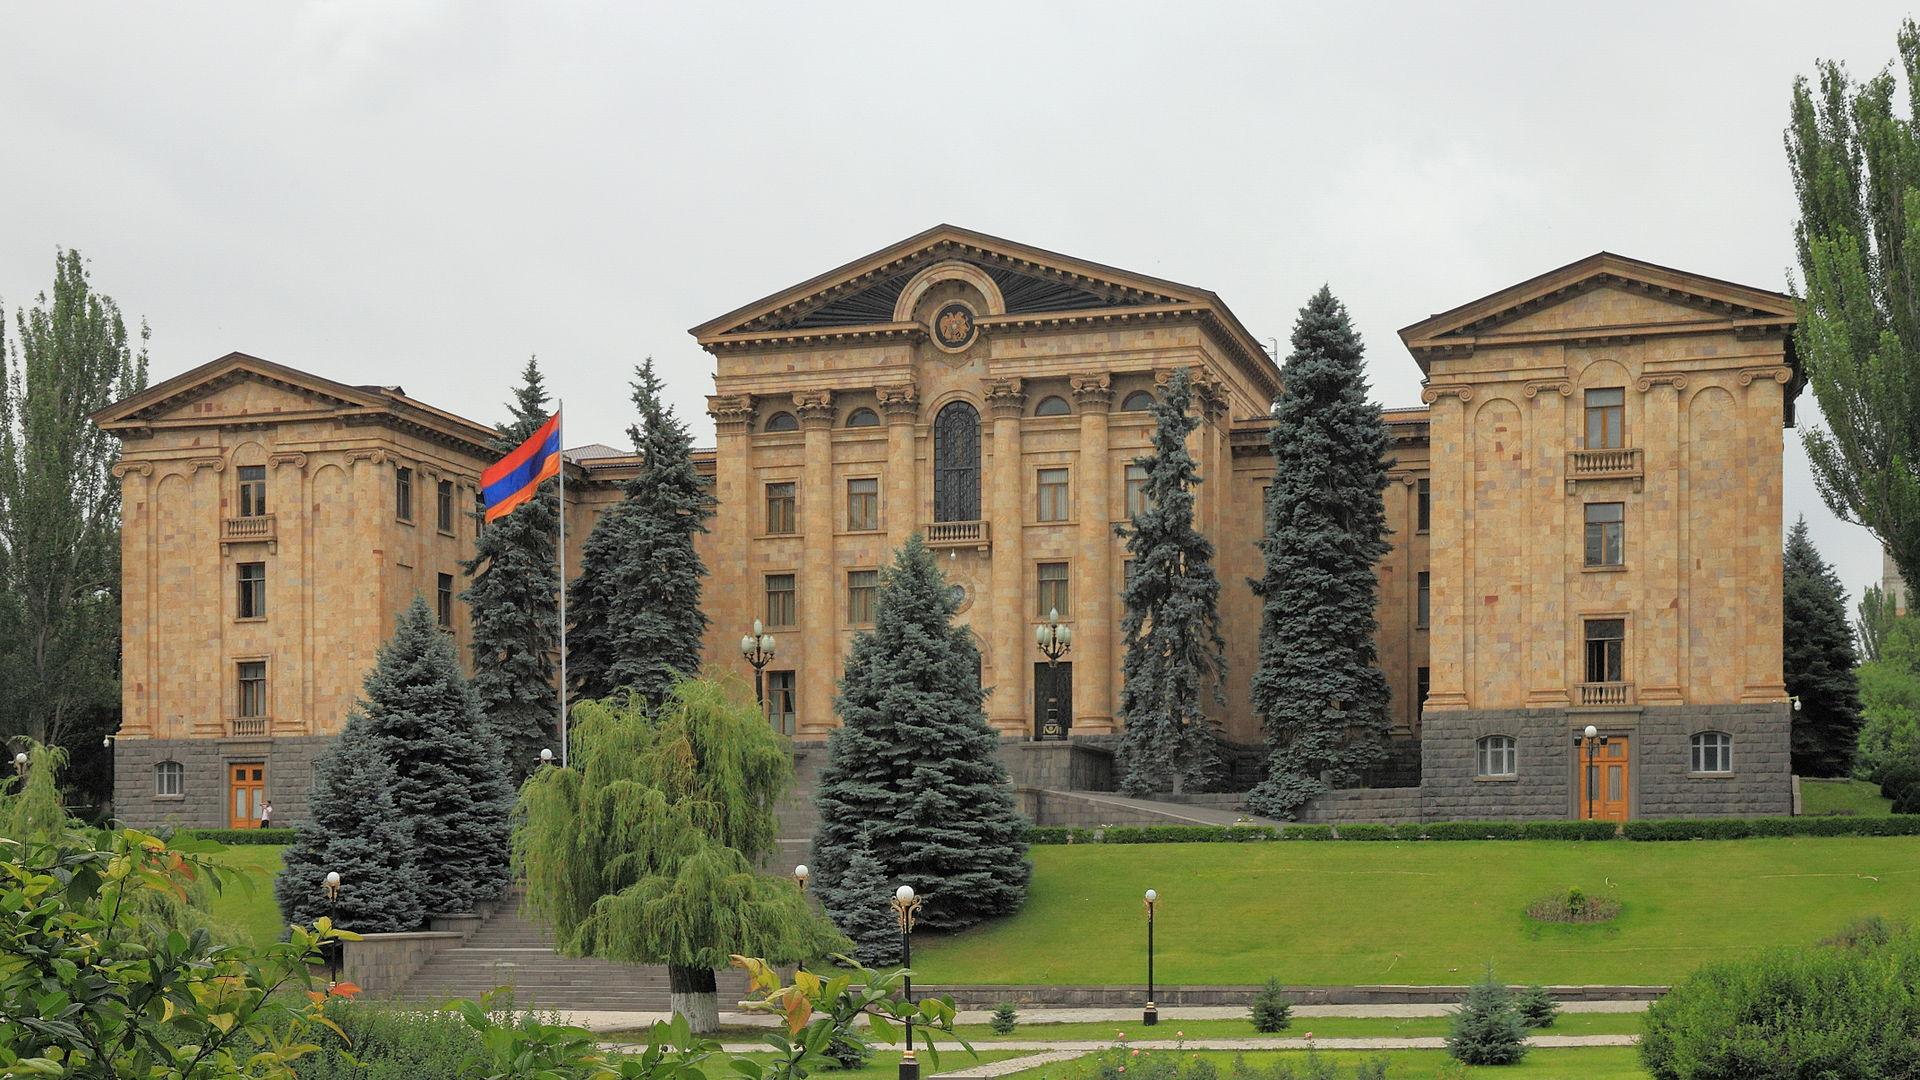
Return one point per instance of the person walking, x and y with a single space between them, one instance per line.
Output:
266 815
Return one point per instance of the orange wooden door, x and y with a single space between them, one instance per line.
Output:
246 793
1604 784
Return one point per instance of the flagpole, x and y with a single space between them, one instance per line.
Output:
560 412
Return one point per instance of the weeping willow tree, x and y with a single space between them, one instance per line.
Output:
643 850
30 805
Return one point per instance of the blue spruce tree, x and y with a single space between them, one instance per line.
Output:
1819 660
1175 656
357 833
1319 691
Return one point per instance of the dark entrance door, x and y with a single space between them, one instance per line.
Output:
956 463
1053 686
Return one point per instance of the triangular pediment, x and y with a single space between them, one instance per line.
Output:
237 385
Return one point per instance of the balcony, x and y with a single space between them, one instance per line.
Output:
1618 464
1602 694
956 534
237 529
241 727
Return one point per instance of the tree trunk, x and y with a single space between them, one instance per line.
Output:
691 993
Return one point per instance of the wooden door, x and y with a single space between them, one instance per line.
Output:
1606 784
246 793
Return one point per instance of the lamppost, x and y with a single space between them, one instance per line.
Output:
905 906
1152 1015
107 744
757 647
800 876
332 885
546 756
1594 740
20 763
1054 641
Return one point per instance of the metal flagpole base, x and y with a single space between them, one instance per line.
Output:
909 1066
1150 1016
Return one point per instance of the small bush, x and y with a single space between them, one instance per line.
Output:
1536 1007
847 1052
280 837
1410 831
1864 933
1306 832
1310 1066
1122 1063
1573 906
1271 1010
1487 1029
389 1042
1366 831
1473 830
1569 830
1059 834
1897 780
1004 1018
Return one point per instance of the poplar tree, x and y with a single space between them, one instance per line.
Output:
1819 661
514 599
358 833
1175 656
1856 170
643 849
637 619
451 794
1877 616
913 766
1319 691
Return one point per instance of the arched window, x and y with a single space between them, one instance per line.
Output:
863 418
1052 405
956 463
1495 756
1138 401
169 778
781 421
1712 752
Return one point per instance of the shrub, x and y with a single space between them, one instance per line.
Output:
1186 834
1573 906
1311 1066
1368 831
390 1042
1059 834
1411 831
238 836
1536 1007
1569 830
1487 1029
1122 1063
1004 1018
1870 931
1306 832
1473 830
1271 1010
1897 779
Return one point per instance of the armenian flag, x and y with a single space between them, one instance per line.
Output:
515 478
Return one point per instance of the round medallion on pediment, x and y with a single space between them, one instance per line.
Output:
953 327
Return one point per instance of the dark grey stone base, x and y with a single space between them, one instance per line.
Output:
203 802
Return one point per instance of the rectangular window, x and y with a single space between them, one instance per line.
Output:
253 590
444 499
403 494
1053 589
1423 598
253 490
444 598
169 778
1422 505
780 608
1422 682
1606 650
863 505
253 688
1054 495
861 587
780 515
780 711
1606 534
1137 490
1607 418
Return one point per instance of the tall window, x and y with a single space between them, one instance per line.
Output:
1606 650
1137 490
253 590
780 609
780 516
253 688
1423 598
863 504
1422 682
403 494
956 463
1053 588
861 587
780 712
169 778
1607 418
1054 495
444 506
1606 534
1496 755
1422 505
444 598
1712 752
253 490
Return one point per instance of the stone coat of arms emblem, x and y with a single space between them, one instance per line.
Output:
953 326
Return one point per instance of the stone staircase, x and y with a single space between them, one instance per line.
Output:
512 950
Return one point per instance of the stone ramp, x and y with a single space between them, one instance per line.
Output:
1096 809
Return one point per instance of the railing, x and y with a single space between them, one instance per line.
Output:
247 725
941 534
259 527
1603 464
1603 693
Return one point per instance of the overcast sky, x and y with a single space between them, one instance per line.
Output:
424 193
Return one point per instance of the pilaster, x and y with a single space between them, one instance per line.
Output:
1763 406
1094 615
1009 708
728 595
1451 548
901 405
819 645
1655 552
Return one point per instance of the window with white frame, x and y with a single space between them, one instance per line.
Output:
1712 752
1496 756
169 778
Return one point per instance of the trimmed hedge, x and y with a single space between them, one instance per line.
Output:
1186 834
1306 832
1744 828
1569 830
1652 830
238 836
1364 831
1060 834
1475 830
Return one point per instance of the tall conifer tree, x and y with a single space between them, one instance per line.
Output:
1175 655
514 599
913 766
1819 660
1319 692
358 833
637 620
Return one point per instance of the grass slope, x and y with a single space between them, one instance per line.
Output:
1426 912
249 916
1856 798
1585 1063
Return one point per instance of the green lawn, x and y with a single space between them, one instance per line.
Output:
1421 912
1583 1063
886 1064
250 915
1856 798
1322 1027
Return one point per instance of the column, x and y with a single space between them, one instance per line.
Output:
1096 673
1553 551
819 645
732 588
1654 552
1762 404
1449 546
901 404
1009 707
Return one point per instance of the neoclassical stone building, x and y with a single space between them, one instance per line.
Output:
1585 524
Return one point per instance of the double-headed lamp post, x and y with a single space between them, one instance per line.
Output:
331 883
757 647
1054 641
905 906
1152 1015
1593 739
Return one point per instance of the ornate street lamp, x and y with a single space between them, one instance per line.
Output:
1152 1015
331 883
757 647
546 756
905 907
1054 641
800 876
1594 740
